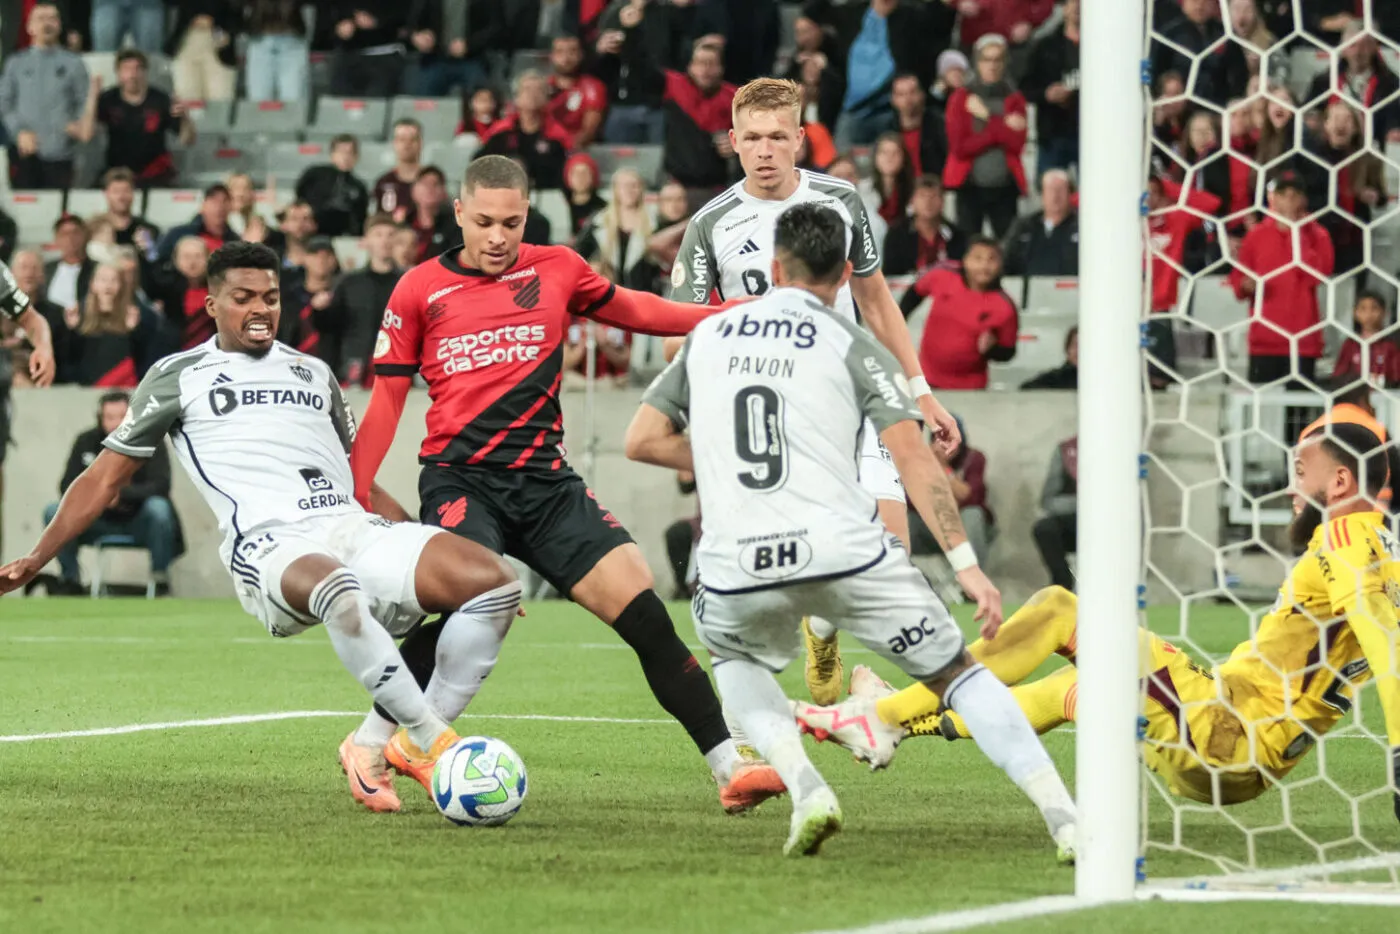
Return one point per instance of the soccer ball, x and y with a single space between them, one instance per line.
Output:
480 782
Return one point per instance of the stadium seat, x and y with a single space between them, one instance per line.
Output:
453 157
85 202
364 119
645 159
166 207
35 212
378 158
210 118
350 251
269 120
440 116
213 160
273 200
103 64
555 208
528 60
103 546
286 161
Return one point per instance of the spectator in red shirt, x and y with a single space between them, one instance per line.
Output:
1169 223
986 133
698 153
393 191
1284 308
970 322
1169 109
577 101
924 135
1369 352
581 178
891 185
531 135
483 112
138 118
180 290
1015 19
925 237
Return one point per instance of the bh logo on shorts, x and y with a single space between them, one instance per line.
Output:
911 636
775 558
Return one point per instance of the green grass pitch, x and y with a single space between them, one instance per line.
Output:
250 828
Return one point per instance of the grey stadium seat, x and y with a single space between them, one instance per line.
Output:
167 207
269 120
85 202
286 161
440 116
34 213
211 118
210 160
364 119
645 159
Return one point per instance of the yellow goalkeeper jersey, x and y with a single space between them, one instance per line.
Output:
1297 677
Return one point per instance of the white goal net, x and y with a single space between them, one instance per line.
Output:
1274 246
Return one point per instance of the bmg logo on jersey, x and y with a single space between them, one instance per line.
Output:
775 557
802 334
510 344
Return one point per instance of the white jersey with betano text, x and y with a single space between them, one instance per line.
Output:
266 440
777 394
728 245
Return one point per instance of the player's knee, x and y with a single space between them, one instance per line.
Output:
337 602
943 678
1053 597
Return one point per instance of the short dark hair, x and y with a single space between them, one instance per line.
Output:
431 170
119 174
1370 295
340 139
810 243
240 254
129 54
495 172
409 122
381 219
113 396
566 37
65 219
980 239
1357 449
218 188
928 180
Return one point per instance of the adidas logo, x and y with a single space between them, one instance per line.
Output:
748 247
222 378
384 678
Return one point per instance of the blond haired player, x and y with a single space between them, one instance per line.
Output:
1249 722
728 249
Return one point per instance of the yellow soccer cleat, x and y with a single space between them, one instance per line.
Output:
406 758
368 775
825 674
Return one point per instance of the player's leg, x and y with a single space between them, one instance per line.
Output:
581 548
1045 625
1047 703
892 610
750 636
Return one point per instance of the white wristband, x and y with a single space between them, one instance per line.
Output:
962 558
918 387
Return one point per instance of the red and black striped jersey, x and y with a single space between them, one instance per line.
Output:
491 349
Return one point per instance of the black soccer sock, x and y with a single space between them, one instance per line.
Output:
419 651
675 677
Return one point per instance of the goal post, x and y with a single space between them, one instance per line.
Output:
1112 160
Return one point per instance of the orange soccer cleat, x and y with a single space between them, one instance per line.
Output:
368 775
406 758
749 785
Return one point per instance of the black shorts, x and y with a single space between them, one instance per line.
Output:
549 520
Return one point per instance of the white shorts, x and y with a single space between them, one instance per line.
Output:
877 470
889 607
383 555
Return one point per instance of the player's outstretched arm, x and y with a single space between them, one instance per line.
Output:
41 364
645 313
927 484
87 498
376 435
886 321
652 438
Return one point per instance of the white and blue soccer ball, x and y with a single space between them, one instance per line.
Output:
479 782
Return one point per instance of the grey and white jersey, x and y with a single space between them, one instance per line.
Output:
728 245
776 394
266 440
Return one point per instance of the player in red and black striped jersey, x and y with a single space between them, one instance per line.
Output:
486 324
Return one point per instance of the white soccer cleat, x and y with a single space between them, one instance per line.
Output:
866 683
1065 844
854 725
813 820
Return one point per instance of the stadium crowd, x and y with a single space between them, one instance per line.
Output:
957 120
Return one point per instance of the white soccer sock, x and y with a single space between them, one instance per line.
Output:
1004 735
736 729
375 732
468 648
752 693
368 652
724 759
823 629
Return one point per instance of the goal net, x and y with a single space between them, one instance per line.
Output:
1270 219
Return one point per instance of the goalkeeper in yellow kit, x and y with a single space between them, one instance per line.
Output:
1223 736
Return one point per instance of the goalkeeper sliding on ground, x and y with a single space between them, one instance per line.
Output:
1223 736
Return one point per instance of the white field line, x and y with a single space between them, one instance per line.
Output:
295 715
971 917
1350 899
1280 876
